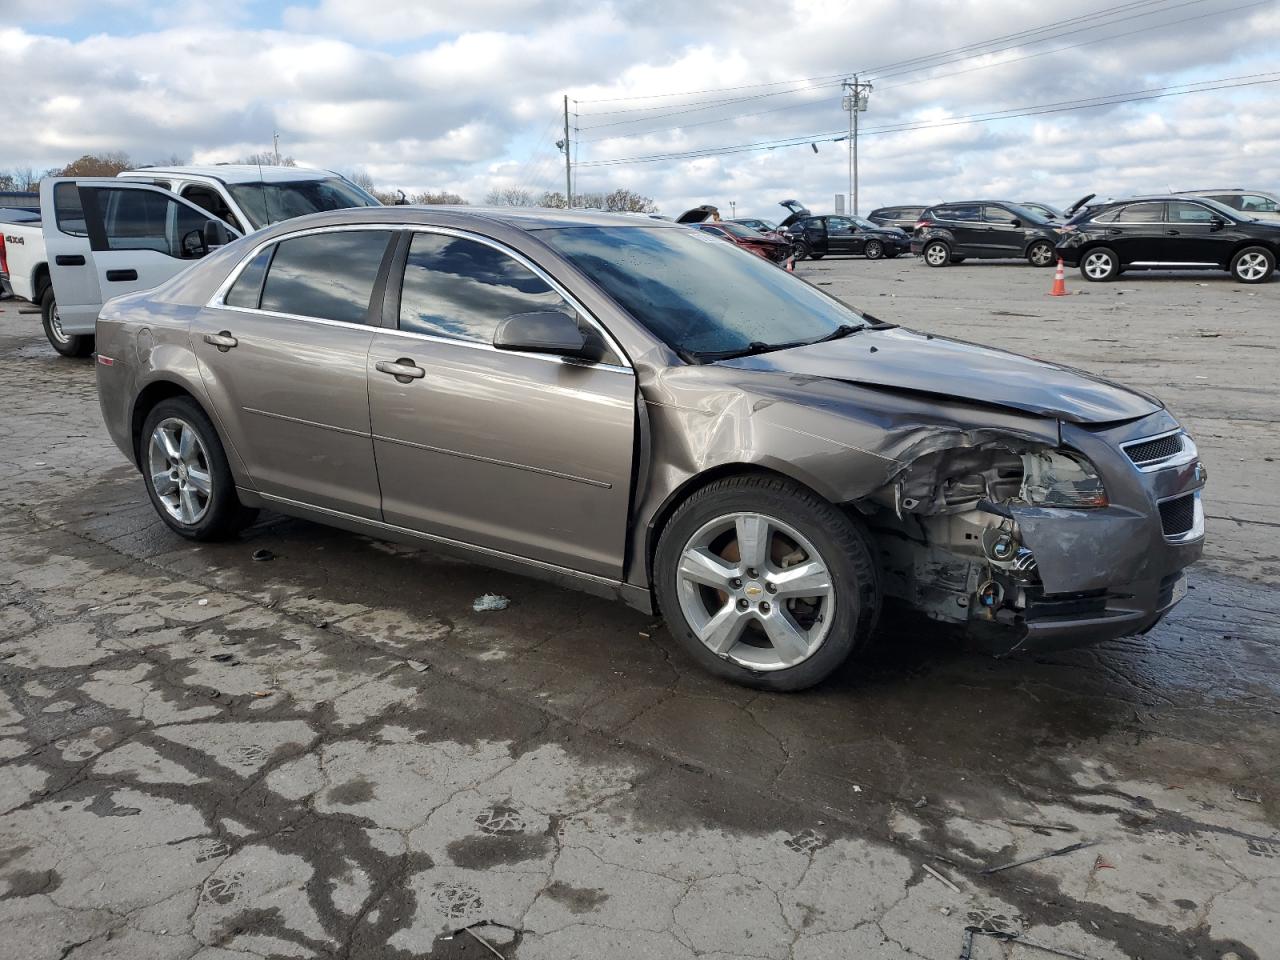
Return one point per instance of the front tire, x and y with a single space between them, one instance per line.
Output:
936 253
67 344
800 250
765 583
874 250
1040 254
1253 265
1100 265
187 474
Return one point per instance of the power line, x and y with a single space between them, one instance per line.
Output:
1154 93
1016 38
907 83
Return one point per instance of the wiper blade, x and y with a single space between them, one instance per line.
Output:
839 333
750 350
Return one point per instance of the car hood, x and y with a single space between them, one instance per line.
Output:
905 361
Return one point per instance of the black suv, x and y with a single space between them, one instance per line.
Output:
1169 233
904 217
815 237
985 229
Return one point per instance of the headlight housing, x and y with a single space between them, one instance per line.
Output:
1056 478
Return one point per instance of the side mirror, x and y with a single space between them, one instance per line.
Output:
543 331
1016 223
194 245
216 234
1217 223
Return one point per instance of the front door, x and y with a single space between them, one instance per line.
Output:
843 236
283 353
524 453
1004 236
1194 234
106 237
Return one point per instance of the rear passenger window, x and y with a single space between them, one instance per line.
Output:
968 213
326 275
1142 213
462 289
247 290
67 210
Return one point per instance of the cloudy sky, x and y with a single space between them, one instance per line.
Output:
424 94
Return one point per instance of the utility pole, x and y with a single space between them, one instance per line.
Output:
568 162
855 100
275 142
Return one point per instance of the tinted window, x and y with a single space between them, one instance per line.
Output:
839 224
247 290
463 289
997 215
965 213
1107 216
1182 212
213 202
67 209
1141 213
265 203
1230 199
1256 204
697 295
134 219
325 275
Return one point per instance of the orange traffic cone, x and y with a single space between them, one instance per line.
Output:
1059 282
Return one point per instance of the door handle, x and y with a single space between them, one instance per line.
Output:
1172 233
224 341
69 260
403 369
116 275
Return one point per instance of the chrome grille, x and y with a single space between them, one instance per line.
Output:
1178 516
1144 453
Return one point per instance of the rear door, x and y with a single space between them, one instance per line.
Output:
1136 232
964 220
105 237
522 453
283 349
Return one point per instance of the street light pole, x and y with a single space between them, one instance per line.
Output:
568 163
855 101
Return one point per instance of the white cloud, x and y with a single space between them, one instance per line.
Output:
429 96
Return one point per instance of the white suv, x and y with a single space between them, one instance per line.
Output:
1252 203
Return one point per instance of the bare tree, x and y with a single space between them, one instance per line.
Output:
268 159
97 165
509 197
362 179
437 196
628 201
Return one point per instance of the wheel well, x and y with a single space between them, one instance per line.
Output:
692 486
39 281
151 395
1254 242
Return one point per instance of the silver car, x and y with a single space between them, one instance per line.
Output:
637 410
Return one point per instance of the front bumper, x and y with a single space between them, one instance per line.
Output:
1109 572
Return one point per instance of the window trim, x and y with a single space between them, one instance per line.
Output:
218 300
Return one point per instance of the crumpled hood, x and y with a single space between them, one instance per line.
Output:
909 361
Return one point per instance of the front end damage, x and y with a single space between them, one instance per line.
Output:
1031 547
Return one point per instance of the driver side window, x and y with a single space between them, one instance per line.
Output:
135 219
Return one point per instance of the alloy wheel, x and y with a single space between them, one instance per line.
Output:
1041 254
1252 266
755 591
179 470
936 255
874 250
1097 266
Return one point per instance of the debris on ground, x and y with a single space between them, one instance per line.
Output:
1247 795
939 877
490 602
223 658
263 555
1040 856
1036 825
262 693
922 802
202 602
419 665
966 946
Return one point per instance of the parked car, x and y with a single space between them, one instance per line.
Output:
984 229
1046 211
764 226
622 406
904 217
10 215
69 291
773 248
815 237
1169 232
1251 203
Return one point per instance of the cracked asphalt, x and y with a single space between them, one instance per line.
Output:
330 754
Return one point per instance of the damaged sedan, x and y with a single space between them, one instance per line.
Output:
650 414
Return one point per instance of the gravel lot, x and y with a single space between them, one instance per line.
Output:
330 754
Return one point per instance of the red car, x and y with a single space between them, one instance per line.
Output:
758 243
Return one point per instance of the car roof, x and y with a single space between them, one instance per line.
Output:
519 218
236 173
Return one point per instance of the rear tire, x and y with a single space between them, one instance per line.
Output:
1253 265
68 345
770 637
1100 265
1040 254
874 250
187 475
936 253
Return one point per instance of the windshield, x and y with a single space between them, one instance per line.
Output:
699 295
267 203
739 230
1223 209
866 224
